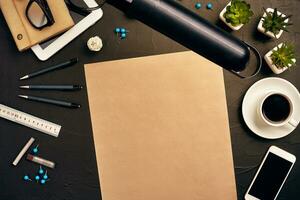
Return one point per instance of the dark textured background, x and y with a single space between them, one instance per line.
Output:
76 175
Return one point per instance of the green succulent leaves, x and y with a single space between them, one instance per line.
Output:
238 12
284 56
274 22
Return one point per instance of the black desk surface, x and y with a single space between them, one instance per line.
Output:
76 175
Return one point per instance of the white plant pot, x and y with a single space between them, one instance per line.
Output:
261 29
235 28
270 63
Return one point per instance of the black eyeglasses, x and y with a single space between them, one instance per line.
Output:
80 7
39 14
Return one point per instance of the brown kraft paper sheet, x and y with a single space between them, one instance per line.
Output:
161 129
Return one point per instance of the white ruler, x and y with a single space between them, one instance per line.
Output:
29 121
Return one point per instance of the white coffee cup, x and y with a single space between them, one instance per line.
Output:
289 120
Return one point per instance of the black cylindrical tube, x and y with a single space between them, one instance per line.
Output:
189 29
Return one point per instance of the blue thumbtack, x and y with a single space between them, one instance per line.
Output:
123 35
123 30
35 149
43 181
45 177
41 171
117 30
26 178
209 6
198 5
37 178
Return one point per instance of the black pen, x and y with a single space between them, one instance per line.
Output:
52 87
51 68
51 101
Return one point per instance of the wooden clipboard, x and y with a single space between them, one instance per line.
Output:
24 34
161 129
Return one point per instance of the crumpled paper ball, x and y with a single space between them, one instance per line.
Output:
95 43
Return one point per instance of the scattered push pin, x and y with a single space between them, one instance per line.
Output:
26 178
37 178
45 177
43 181
122 32
209 6
198 5
41 171
35 150
117 30
123 35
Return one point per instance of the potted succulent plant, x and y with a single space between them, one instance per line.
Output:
236 14
273 23
281 58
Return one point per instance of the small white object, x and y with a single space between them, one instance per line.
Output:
270 63
67 37
95 43
221 16
261 29
23 151
29 121
282 157
253 97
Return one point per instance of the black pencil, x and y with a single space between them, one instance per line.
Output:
51 101
52 87
51 68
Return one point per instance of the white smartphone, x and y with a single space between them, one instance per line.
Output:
271 175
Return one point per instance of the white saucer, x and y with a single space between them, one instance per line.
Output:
251 101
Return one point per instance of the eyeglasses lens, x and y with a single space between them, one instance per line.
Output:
36 15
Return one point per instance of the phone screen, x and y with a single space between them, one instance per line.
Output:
270 177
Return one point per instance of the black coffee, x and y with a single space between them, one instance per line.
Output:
276 108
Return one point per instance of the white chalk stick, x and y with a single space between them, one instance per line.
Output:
23 151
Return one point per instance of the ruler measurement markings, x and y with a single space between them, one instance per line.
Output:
29 121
